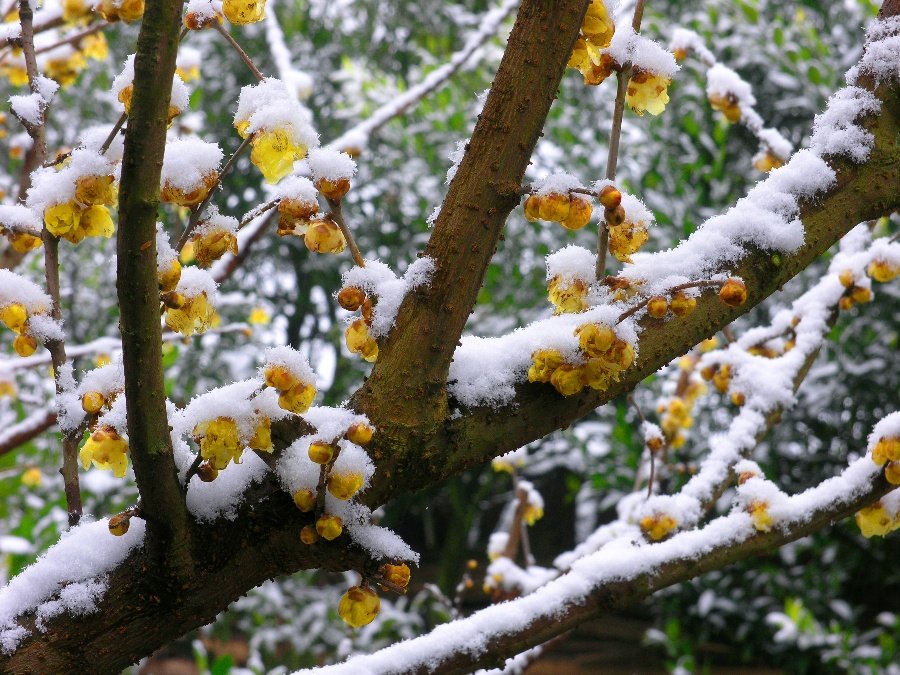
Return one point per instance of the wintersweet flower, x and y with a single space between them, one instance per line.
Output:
219 442
274 153
360 341
106 449
243 12
359 606
647 92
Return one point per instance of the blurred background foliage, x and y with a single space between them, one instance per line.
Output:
820 605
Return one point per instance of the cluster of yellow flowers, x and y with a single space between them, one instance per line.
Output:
605 356
887 452
875 520
214 237
568 294
119 10
359 340
189 308
880 269
627 232
596 34
221 442
15 316
647 92
676 414
87 214
571 211
294 394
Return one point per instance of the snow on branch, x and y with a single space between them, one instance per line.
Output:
69 577
620 572
357 137
729 92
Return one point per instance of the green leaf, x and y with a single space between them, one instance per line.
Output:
222 666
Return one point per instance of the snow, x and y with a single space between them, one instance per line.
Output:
887 427
642 52
331 165
17 289
880 56
297 188
268 105
67 577
688 41
292 361
558 183
377 279
189 162
223 497
572 263
835 131
51 187
213 221
723 81
18 218
194 282
381 543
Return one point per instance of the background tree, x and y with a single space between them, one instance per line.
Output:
438 410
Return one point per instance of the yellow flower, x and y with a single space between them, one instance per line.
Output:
658 526
17 75
626 239
73 10
96 222
570 297
324 236
344 485
533 513
259 316
305 499
647 92
360 342
359 606
106 449
194 316
568 379
396 574
65 70
212 245
188 74
766 161
546 361
728 105
219 442
242 12
94 190
262 436
274 153
95 47
298 398
759 514
22 241
32 477
15 316
874 520
169 278
883 270
62 219
329 526
173 195
8 388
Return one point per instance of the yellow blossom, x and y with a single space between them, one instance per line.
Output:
17 75
570 297
274 153
32 477
359 606
759 514
533 513
874 520
344 485
65 70
219 442
14 316
298 398
8 388
106 449
259 316
658 526
95 47
194 316
212 245
359 341
242 12
647 92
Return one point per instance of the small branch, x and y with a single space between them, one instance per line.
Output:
73 39
615 135
57 351
234 45
338 215
28 429
223 270
112 134
704 283
195 216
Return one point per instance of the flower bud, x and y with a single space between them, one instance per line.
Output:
610 197
351 298
333 190
320 452
359 606
533 208
118 524
308 535
329 526
657 307
305 499
25 345
92 402
733 292
682 305
360 433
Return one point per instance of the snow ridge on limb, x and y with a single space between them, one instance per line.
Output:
767 219
619 573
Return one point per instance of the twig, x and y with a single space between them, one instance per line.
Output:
228 267
680 287
615 135
195 216
338 217
234 45
652 454
57 349
22 432
73 39
112 134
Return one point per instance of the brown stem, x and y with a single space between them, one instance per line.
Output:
28 429
73 39
615 135
237 260
112 134
57 349
234 45
703 283
195 216
337 215
138 288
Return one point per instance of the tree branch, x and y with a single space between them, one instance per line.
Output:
138 288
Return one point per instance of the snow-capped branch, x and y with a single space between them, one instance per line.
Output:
357 137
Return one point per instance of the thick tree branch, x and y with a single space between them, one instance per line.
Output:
406 388
145 137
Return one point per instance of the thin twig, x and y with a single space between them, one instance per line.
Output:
112 134
234 45
615 135
680 287
338 216
195 216
73 39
